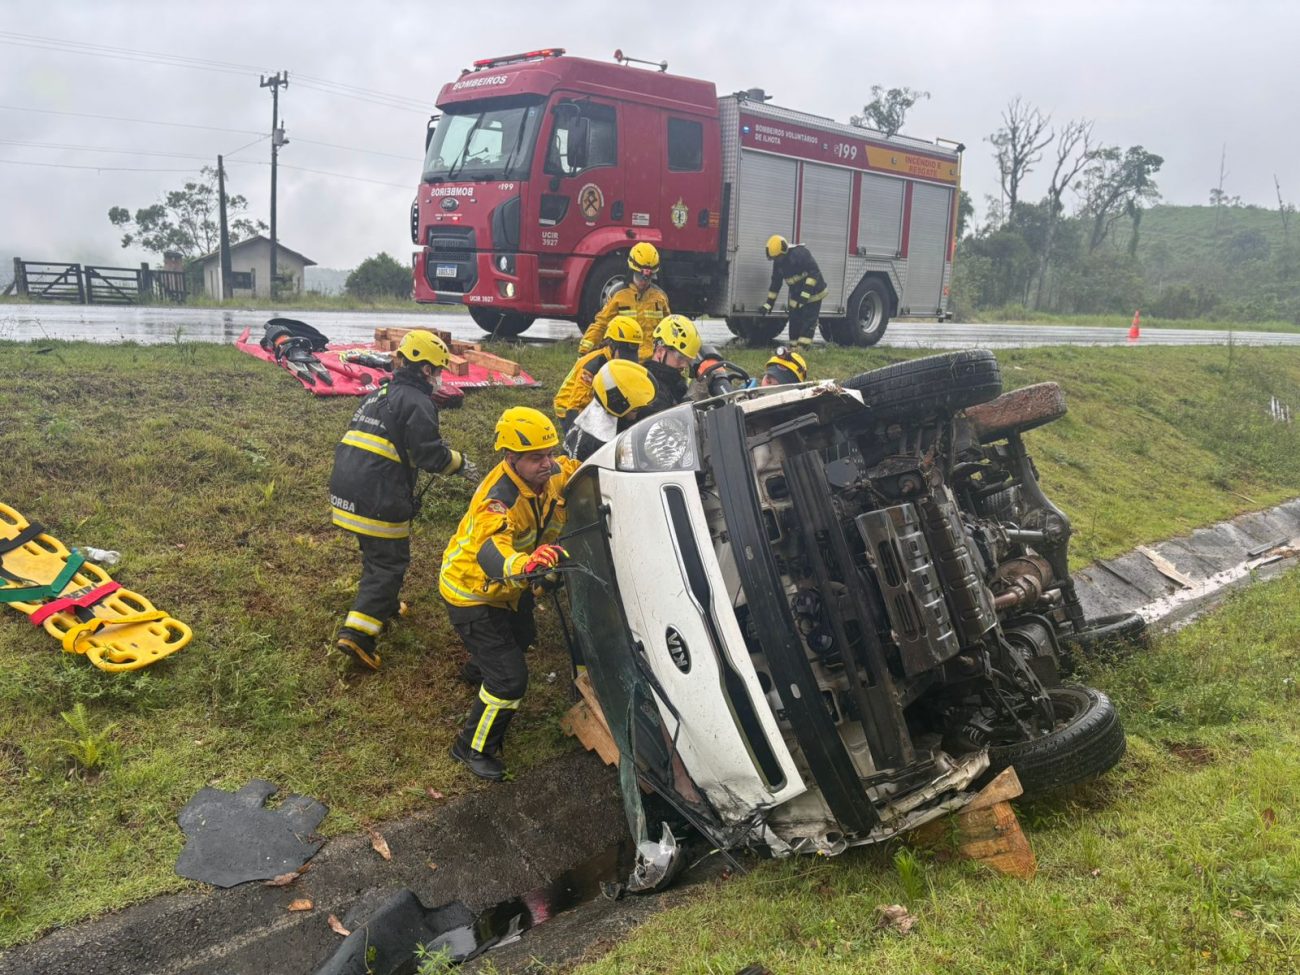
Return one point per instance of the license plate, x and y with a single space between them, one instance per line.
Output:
446 270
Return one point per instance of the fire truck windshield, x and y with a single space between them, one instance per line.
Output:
495 142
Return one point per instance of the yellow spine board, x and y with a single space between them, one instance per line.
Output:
125 632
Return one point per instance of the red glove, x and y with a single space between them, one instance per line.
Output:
544 557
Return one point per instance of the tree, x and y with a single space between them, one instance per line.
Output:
1018 146
887 109
187 220
1074 151
379 277
1116 184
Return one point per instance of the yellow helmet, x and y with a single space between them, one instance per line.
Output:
776 246
419 345
623 328
623 386
678 332
787 361
522 428
643 257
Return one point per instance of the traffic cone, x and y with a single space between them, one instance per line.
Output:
1135 330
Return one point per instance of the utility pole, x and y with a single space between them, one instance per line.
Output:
227 290
275 83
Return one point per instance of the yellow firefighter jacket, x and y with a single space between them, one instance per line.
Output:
503 525
576 392
648 308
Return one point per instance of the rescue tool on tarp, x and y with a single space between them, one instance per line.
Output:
77 603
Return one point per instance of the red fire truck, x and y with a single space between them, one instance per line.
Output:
543 170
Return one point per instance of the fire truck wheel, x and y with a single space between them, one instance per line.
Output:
606 276
868 315
500 324
931 386
754 330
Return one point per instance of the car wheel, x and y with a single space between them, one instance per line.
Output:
754 330
935 384
606 277
1088 740
500 324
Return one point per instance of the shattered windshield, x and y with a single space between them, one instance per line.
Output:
484 143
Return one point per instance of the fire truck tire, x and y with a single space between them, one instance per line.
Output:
1088 740
606 276
500 324
868 315
754 330
930 386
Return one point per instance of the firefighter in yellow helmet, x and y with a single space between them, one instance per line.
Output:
676 347
505 540
640 299
785 366
794 265
621 390
622 341
392 435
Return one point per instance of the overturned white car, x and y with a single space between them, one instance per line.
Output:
816 616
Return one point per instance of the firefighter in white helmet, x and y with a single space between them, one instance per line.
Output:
641 299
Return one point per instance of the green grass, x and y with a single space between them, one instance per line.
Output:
208 470
1186 858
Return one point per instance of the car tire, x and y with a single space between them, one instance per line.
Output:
1087 741
607 276
755 330
933 385
500 324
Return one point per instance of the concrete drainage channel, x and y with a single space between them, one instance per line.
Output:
512 855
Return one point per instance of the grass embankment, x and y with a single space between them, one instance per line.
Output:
1019 314
1184 859
208 470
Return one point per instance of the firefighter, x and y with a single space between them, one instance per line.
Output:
621 390
622 341
393 433
676 345
786 366
505 540
642 299
795 266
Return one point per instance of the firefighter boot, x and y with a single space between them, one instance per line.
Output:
484 766
480 744
359 647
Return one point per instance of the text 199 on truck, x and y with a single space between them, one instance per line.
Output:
543 170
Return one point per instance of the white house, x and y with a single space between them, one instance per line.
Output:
250 267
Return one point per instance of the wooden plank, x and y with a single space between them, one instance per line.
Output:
1165 567
488 361
457 366
987 830
582 723
460 348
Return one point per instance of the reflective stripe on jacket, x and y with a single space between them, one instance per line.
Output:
648 308
576 392
797 269
505 522
372 491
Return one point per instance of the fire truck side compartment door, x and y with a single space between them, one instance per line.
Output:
927 248
824 226
766 207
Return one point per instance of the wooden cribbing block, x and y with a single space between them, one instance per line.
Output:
586 722
988 831
460 348
489 361
457 366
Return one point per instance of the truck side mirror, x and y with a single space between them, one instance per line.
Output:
429 130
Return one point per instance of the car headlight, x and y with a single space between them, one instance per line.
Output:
665 442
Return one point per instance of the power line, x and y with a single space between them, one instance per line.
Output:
373 152
322 172
123 118
101 169
79 148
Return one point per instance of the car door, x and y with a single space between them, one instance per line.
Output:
582 180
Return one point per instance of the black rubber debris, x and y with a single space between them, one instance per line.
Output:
231 839
385 944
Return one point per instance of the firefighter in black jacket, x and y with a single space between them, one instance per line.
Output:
392 434
795 266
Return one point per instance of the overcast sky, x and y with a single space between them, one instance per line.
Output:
1180 78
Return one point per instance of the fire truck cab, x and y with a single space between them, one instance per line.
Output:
543 170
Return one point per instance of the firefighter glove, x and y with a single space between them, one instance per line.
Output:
544 557
468 470
765 308
585 346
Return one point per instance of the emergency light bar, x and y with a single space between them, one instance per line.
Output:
546 52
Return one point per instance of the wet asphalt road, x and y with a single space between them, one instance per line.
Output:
157 325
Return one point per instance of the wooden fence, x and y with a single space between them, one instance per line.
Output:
91 284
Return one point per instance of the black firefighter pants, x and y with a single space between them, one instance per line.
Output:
496 638
384 562
803 320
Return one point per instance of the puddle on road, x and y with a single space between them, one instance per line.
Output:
386 943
